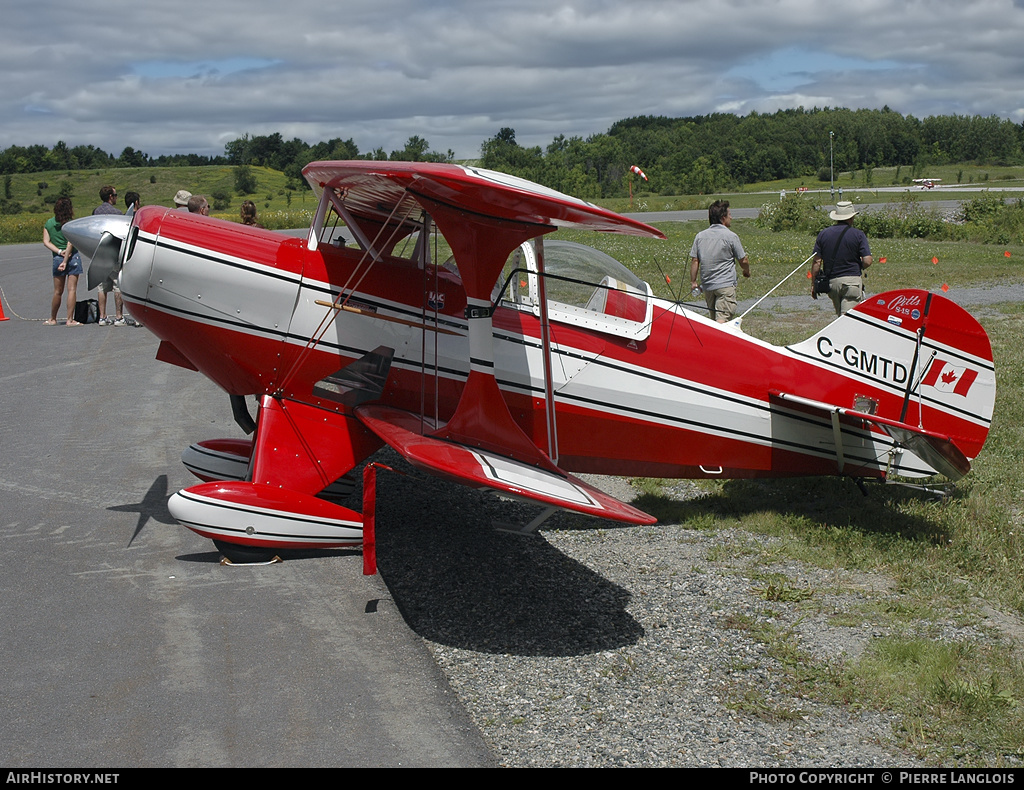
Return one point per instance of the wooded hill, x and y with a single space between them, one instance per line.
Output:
697 155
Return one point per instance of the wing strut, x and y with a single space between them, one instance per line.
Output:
345 292
545 341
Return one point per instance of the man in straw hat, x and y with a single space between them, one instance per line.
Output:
844 252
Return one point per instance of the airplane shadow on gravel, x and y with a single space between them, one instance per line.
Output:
460 582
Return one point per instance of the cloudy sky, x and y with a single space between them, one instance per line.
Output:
191 75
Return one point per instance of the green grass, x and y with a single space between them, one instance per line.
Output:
908 262
277 204
156 185
958 702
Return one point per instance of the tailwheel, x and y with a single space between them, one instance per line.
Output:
245 555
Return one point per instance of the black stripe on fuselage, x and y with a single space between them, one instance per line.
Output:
892 387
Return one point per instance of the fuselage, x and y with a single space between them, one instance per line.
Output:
261 313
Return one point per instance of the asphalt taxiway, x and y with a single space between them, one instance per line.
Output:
123 641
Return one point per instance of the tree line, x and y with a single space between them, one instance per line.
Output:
273 151
712 153
693 155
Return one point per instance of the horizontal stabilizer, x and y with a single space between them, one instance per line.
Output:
486 469
936 450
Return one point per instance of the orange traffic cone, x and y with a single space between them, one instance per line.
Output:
2 316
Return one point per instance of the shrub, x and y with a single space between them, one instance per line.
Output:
904 217
221 200
792 213
991 221
982 208
245 180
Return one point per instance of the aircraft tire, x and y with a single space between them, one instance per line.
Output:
243 554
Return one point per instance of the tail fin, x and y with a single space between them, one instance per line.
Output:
913 358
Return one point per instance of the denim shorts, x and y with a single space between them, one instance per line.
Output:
74 265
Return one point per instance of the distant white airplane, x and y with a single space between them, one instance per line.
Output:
927 183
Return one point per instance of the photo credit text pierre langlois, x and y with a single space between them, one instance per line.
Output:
883 777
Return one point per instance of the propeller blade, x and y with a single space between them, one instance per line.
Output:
104 260
98 238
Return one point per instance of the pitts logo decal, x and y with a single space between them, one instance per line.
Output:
872 364
903 303
949 378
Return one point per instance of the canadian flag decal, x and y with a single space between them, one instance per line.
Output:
949 378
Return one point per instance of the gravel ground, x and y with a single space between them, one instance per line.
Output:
635 646
970 298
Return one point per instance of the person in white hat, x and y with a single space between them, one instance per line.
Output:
844 252
181 198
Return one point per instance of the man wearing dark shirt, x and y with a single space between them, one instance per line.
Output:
844 252
109 197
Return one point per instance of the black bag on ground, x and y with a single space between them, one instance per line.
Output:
87 311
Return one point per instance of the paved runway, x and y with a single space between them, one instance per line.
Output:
123 642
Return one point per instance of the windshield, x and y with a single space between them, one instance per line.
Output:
584 287
586 265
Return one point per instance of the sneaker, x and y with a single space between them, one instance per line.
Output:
120 322
105 322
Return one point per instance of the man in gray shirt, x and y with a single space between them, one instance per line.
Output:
713 256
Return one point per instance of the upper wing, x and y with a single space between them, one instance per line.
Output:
376 189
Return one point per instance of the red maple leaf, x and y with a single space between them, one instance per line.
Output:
948 377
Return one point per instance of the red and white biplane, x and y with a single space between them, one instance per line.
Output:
510 370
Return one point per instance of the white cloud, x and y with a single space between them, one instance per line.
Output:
187 76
